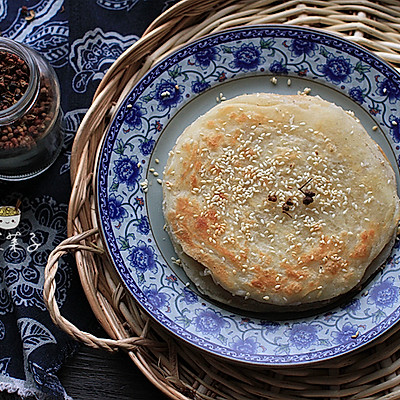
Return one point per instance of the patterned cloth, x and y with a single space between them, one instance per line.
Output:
81 49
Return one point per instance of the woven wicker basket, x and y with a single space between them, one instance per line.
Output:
177 369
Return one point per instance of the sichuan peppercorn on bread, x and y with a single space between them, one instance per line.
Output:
275 201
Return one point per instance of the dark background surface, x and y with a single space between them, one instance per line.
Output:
96 374
93 374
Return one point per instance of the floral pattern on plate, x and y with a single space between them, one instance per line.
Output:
125 206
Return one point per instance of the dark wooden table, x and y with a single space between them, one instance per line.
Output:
99 375
93 374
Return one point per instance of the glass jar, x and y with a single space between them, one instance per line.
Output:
31 119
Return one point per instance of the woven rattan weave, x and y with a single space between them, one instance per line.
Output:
177 369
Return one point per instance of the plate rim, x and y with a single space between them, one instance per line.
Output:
357 344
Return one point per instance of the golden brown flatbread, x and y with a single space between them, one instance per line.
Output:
274 200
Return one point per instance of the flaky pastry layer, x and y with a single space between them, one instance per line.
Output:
282 199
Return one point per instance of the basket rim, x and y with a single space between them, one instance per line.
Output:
80 215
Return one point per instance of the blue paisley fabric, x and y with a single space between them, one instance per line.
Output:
81 50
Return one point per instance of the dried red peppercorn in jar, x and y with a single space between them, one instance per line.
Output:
31 131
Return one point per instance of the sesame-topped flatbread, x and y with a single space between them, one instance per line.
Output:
274 200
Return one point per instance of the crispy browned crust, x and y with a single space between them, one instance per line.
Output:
263 253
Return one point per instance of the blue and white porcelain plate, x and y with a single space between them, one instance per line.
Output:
173 94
